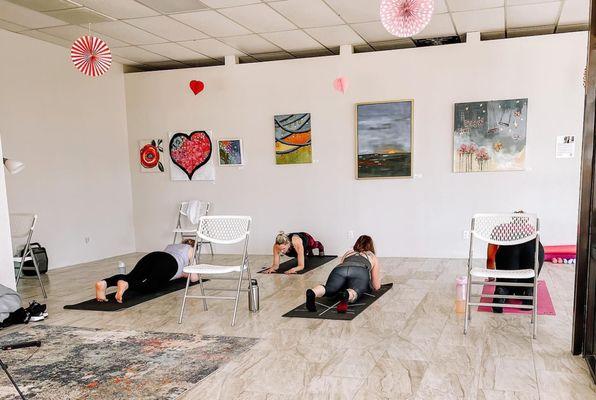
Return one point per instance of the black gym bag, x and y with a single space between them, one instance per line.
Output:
41 256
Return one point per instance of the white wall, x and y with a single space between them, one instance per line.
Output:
6 265
70 131
406 217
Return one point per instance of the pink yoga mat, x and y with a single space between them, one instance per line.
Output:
545 304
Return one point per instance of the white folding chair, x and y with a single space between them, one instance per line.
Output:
184 223
504 230
223 230
22 227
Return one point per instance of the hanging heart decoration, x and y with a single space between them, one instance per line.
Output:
196 86
341 84
91 55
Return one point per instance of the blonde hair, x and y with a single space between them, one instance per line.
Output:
282 238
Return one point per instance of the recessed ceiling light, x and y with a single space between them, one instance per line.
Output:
174 6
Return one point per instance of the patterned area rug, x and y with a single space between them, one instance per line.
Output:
77 363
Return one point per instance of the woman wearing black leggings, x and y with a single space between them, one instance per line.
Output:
153 272
357 273
519 256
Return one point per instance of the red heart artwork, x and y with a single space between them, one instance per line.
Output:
190 152
196 86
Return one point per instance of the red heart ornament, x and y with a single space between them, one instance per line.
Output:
190 152
196 86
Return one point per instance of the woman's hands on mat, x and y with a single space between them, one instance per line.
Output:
294 270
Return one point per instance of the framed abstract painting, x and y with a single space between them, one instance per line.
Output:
490 136
151 155
230 152
191 156
384 139
292 139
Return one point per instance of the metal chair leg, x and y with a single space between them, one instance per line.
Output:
43 290
535 309
202 292
237 296
211 248
184 299
19 271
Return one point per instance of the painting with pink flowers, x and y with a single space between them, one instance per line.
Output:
490 136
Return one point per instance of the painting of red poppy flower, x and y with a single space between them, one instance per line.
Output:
151 155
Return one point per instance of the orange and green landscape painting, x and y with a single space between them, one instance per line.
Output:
385 139
292 139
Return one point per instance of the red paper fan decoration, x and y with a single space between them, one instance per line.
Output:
91 55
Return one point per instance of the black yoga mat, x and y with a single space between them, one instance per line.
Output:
131 298
326 307
310 263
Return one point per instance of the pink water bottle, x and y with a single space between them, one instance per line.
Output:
461 286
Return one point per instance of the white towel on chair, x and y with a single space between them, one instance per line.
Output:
193 211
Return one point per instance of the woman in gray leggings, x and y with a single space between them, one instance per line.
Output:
357 273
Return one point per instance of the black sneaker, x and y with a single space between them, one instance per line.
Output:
37 311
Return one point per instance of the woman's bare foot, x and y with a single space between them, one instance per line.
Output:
100 291
122 286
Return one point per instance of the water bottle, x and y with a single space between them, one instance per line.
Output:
253 296
461 287
121 268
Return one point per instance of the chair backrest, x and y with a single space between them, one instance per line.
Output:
224 229
190 211
22 226
505 229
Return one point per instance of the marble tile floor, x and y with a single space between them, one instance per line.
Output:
407 345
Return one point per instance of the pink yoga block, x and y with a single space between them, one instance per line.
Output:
559 252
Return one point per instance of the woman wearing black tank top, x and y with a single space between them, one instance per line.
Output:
298 245
358 272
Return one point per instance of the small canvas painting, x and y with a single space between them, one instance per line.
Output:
151 155
292 139
490 136
191 156
384 139
230 152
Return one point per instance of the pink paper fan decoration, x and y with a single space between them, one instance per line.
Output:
91 55
341 84
405 18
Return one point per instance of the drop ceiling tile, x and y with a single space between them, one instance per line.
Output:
251 44
490 20
522 2
212 23
354 11
79 16
532 15
440 25
119 9
258 18
212 48
307 13
122 60
47 38
173 51
373 31
228 3
440 7
28 18
575 12
332 36
137 54
45 5
73 32
174 6
468 5
9 26
167 28
127 33
296 40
